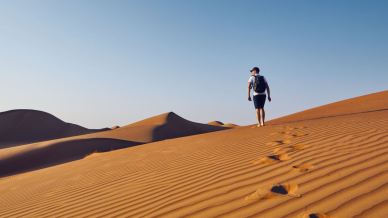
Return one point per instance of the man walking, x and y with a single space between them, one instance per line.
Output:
260 86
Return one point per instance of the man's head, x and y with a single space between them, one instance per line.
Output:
255 71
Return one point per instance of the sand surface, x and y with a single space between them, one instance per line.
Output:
39 155
26 126
333 166
362 104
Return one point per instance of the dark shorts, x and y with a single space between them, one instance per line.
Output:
259 101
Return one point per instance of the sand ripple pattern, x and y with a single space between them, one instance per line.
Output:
331 167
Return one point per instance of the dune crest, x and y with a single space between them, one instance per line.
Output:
362 104
216 123
26 126
164 126
219 123
49 153
230 125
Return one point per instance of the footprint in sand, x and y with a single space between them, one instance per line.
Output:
279 154
285 132
279 157
272 159
264 161
316 215
287 138
279 142
294 127
305 167
290 135
287 189
279 151
260 193
285 141
289 128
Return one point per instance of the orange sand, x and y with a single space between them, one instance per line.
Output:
39 155
330 167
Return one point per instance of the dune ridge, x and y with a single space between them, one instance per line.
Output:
164 126
49 153
219 123
362 104
331 167
25 126
216 123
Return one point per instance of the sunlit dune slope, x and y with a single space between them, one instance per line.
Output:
27 126
219 123
216 123
371 102
230 125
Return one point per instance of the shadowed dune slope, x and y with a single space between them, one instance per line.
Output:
371 102
329 167
27 126
54 153
48 153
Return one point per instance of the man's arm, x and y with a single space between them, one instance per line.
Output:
268 92
249 91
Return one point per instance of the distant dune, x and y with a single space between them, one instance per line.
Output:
230 125
160 127
216 123
330 162
219 123
47 153
27 126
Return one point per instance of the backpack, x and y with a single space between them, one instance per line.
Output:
259 85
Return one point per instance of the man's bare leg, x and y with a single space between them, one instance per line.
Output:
263 116
258 117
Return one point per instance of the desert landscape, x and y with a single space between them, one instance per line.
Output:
195 108
328 161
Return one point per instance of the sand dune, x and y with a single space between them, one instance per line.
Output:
48 153
219 123
326 167
58 152
27 126
160 127
216 123
371 102
230 125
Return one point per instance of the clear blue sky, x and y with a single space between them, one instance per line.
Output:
105 63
